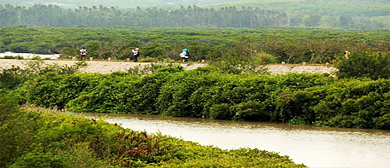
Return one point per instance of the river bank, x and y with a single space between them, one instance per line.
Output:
313 146
105 67
52 139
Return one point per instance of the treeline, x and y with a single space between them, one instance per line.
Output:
281 45
191 16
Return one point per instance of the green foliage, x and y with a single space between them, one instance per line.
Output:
208 92
220 111
229 47
19 57
8 57
174 94
250 110
35 138
264 58
365 65
148 59
242 58
37 159
8 106
36 58
359 104
13 77
55 90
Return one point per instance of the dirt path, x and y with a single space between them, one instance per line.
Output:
109 67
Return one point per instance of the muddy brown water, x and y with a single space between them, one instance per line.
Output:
312 146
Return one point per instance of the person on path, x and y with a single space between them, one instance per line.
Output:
185 54
136 54
346 54
83 53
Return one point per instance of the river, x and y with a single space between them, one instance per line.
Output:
312 146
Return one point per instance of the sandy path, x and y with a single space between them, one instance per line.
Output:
109 67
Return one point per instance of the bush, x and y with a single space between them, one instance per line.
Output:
12 78
292 106
353 103
383 122
265 58
38 159
19 57
176 98
221 111
250 110
8 57
8 106
147 59
35 138
36 58
112 94
365 65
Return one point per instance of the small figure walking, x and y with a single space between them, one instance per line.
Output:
83 53
346 54
136 54
185 54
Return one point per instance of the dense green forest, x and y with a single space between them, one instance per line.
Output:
238 16
276 45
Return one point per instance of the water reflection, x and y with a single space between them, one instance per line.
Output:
313 146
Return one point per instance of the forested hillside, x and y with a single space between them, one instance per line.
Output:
346 14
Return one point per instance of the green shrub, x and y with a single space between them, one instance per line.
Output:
383 122
147 59
8 57
145 96
38 159
293 105
365 65
11 79
175 94
35 138
112 94
250 110
36 58
221 111
265 58
8 106
19 57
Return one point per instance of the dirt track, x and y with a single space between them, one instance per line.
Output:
109 67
